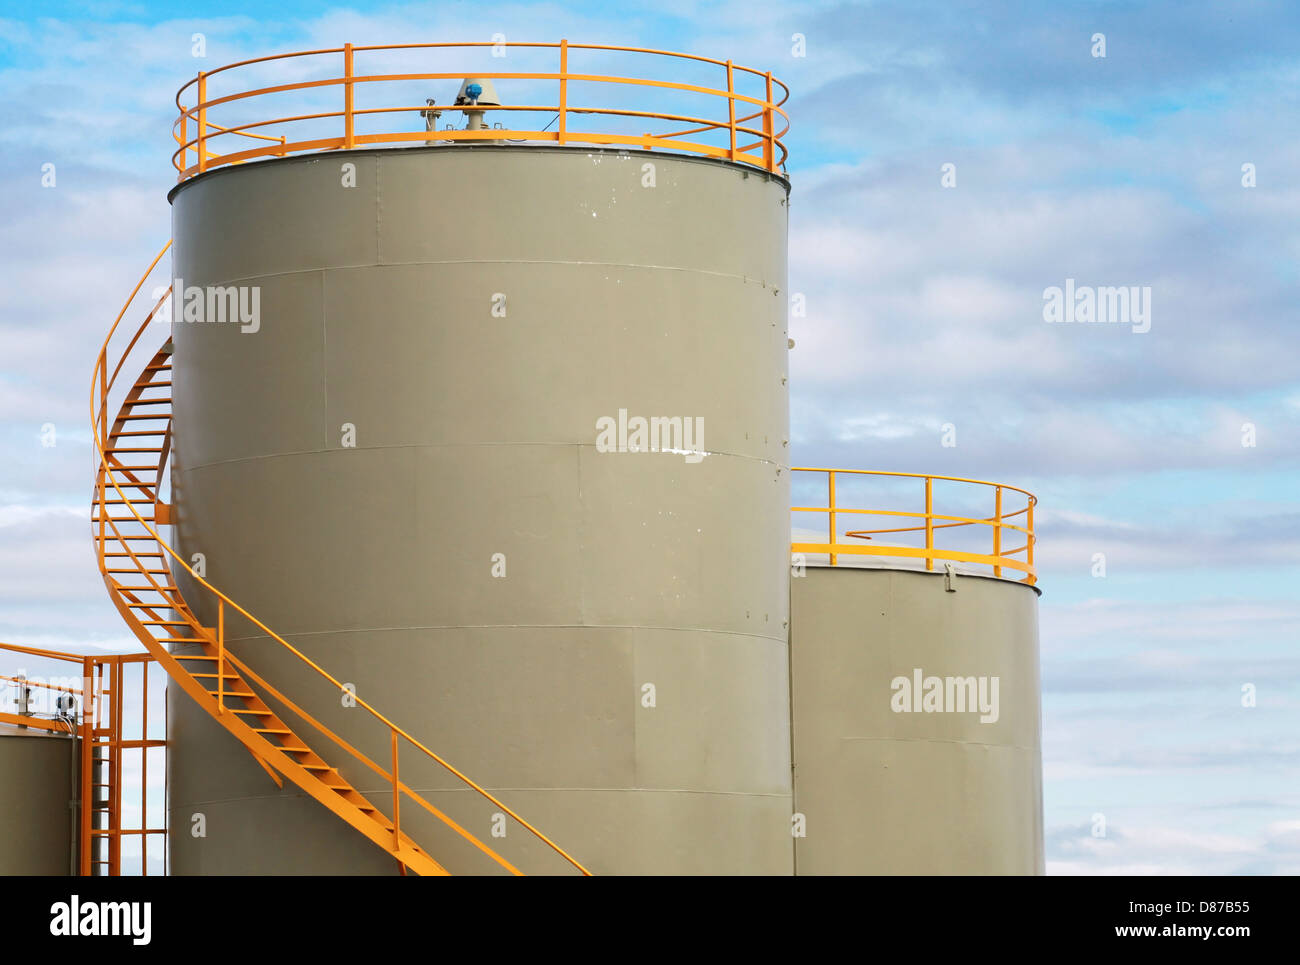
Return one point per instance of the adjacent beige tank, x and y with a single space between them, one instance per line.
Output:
895 779
38 797
401 471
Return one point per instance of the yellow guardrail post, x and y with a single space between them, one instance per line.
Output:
929 523
185 151
202 143
731 113
830 505
769 139
87 762
1029 541
397 797
564 90
997 528
348 132
221 656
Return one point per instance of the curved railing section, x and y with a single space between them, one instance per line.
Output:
922 532
138 567
350 96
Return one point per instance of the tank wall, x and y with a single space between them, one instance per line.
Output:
885 791
475 435
36 788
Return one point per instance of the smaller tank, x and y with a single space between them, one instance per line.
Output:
38 798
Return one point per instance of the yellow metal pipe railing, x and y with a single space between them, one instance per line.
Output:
772 158
931 522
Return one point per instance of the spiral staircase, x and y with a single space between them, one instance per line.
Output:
138 567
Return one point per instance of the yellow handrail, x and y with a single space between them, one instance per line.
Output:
100 388
930 521
37 652
28 720
183 150
37 683
771 158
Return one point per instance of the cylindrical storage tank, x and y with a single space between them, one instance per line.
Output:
404 468
917 738
38 797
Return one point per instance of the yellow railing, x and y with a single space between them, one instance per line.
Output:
108 532
103 710
85 662
745 128
1010 522
27 719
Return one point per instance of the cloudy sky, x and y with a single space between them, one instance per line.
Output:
924 310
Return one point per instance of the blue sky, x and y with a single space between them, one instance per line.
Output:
924 308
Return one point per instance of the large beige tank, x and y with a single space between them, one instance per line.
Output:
38 797
887 782
437 346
